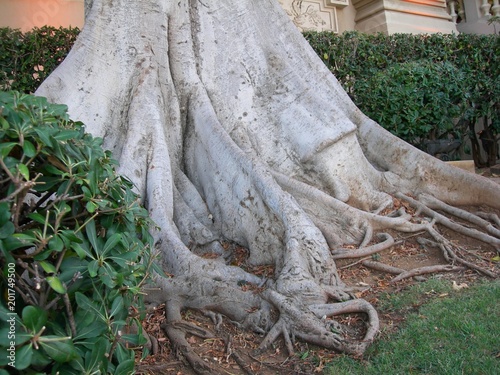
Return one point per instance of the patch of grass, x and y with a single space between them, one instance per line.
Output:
414 296
457 334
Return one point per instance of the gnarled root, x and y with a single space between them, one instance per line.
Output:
482 227
387 242
176 332
309 323
378 266
425 270
252 310
213 297
425 204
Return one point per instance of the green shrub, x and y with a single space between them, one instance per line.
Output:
359 61
416 100
75 246
26 59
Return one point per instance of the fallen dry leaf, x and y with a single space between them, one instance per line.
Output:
459 286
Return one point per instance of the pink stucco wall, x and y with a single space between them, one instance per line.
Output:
26 14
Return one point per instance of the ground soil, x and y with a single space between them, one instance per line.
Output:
232 350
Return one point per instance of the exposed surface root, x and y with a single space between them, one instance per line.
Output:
242 363
387 242
426 270
493 239
484 230
475 219
295 320
378 266
310 324
185 351
449 251
489 216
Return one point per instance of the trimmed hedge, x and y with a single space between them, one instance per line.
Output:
417 100
26 59
443 79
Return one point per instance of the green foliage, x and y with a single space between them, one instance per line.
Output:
26 59
414 100
75 246
460 72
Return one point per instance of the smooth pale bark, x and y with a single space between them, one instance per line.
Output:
233 129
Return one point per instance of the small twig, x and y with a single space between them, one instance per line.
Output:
24 296
62 196
69 311
25 266
75 277
9 173
37 278
60 259
30 298
24 186
53 302
114 345
43 242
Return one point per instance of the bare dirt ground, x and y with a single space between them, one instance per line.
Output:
232 350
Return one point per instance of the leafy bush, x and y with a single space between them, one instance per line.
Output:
26 59
75 246
415 100
359 61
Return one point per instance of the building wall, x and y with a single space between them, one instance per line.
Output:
474 15
371 16
26 14
403 16
320 15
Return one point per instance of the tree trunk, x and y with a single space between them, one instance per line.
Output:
233 130
87 7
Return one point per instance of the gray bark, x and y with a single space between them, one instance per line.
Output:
87 6
233 130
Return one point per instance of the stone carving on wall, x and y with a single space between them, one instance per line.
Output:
316 15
